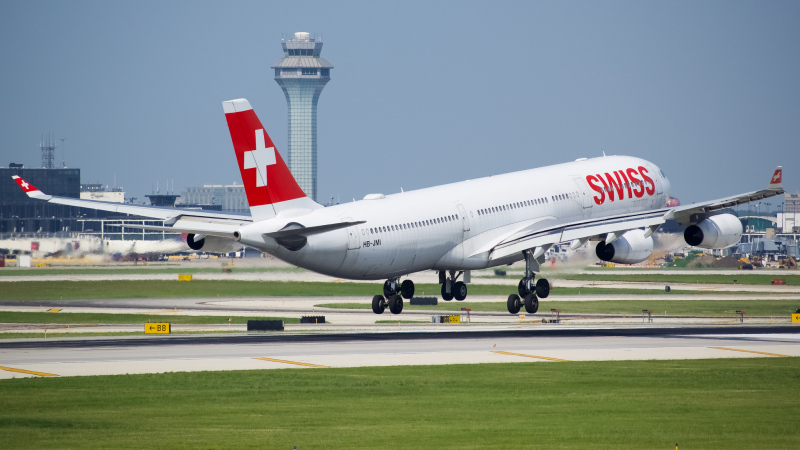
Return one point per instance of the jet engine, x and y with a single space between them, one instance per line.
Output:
212 244
630 248
718 231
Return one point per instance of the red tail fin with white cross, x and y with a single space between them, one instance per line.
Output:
777 178
270 187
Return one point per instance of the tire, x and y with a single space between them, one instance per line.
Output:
531 303
396 304
513 303
387 290
377 304
460 290
542 288
407 289
445 296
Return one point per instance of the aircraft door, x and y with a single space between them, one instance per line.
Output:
583 191
464 218
353 236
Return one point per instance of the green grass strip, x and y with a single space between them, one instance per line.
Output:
710 308
747 403
37 271
111 289
102 318
792 279
51 334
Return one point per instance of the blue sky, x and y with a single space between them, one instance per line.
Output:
422 93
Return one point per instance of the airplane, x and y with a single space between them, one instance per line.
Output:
617 202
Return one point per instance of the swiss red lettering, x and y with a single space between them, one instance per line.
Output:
621 179
592 180
651 187
638 191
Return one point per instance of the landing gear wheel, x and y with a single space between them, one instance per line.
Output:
522 289
387 289
378 304
445 295
531 303
542 288
396 304
460 290
407 289
513 303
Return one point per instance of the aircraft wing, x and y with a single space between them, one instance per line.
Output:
540 239
171 215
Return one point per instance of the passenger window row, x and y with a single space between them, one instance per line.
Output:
410 225
501 208
560 197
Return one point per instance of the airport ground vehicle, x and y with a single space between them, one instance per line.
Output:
615 202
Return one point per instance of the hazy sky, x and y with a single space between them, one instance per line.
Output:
422 93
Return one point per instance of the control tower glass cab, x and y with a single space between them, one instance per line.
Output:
302 74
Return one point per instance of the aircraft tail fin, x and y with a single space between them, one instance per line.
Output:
269 185
777 178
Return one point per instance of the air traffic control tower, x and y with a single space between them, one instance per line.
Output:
302 74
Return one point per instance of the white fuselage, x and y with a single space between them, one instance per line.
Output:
442 227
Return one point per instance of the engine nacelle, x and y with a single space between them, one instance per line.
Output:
630 248
718 231
213 244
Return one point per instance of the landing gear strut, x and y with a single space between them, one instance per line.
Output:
393 294
452 288
529 293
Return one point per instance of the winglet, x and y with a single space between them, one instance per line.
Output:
777 178
30 189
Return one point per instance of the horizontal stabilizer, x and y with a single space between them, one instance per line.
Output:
308 231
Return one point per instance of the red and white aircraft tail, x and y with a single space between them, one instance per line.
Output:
270 188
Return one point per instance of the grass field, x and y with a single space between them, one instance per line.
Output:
100 318
66 290
51 334
36 271
722 403
791 278
712 308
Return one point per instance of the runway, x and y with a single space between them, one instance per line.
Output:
110 356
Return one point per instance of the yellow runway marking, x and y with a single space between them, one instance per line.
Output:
751 351
54 310
530 356
293 362
30 372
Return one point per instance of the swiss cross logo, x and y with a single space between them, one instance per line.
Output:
776 177
27 187
260 158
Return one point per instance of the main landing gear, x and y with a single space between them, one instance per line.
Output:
393 294
452 288
529 293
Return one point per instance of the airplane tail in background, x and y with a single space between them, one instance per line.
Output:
270 187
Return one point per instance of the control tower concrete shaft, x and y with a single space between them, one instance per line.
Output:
302 74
